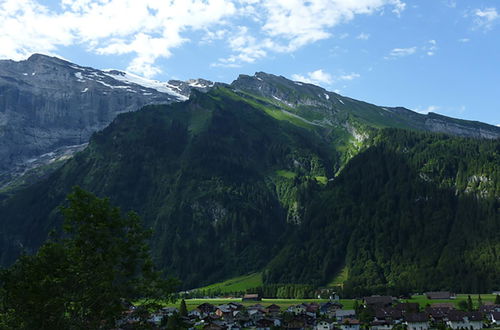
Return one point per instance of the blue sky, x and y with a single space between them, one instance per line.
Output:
426 55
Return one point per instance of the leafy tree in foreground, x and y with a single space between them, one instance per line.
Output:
82 280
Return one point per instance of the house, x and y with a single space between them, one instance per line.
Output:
297 309
264 324
381 325
251 297
388 314
312 308
350 324
213 326
383 301
324 325
488 308
273 309
295 323
343 314
440 295
256 306
437 314
169 311
236 306
462 320
408 307
194 313
156 318
206 309
255 315
329 308
416 321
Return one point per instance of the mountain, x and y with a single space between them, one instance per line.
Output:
325 108
290 180
49 107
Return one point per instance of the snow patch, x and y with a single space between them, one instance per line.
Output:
130 78
25 74
298 83
79 77
34 73
327 96
197 83
85 90
278 99
147 93
341 101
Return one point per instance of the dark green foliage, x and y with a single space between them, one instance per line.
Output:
81 280
398 230
183 308
463 305
497 299
202 174
230 188
470 305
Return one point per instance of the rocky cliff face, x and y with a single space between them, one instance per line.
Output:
47 103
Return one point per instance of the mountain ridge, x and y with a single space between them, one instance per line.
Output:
231 185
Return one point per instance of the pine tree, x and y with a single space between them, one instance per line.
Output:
183 308
497 299
470 306
479 301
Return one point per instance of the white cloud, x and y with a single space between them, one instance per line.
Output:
320 77
152 29
363 36
463 40
431 48
451 3
401 52
317 77
431 108
485 18
349 77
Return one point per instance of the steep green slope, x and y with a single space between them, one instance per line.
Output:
285 178
202 174
328 109
409 213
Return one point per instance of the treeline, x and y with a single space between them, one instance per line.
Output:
273 291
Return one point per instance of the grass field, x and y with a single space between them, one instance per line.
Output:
348 303
340 278
423 301
236 284
283 303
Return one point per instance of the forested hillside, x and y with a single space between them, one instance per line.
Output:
235 183
415 211
208 176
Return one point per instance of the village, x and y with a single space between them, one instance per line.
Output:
373 312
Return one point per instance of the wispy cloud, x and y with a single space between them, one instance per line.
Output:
464 40
401 52
363 36
320 77
485 18
428 49
151 29
431 48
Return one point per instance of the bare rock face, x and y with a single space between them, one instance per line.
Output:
47 103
